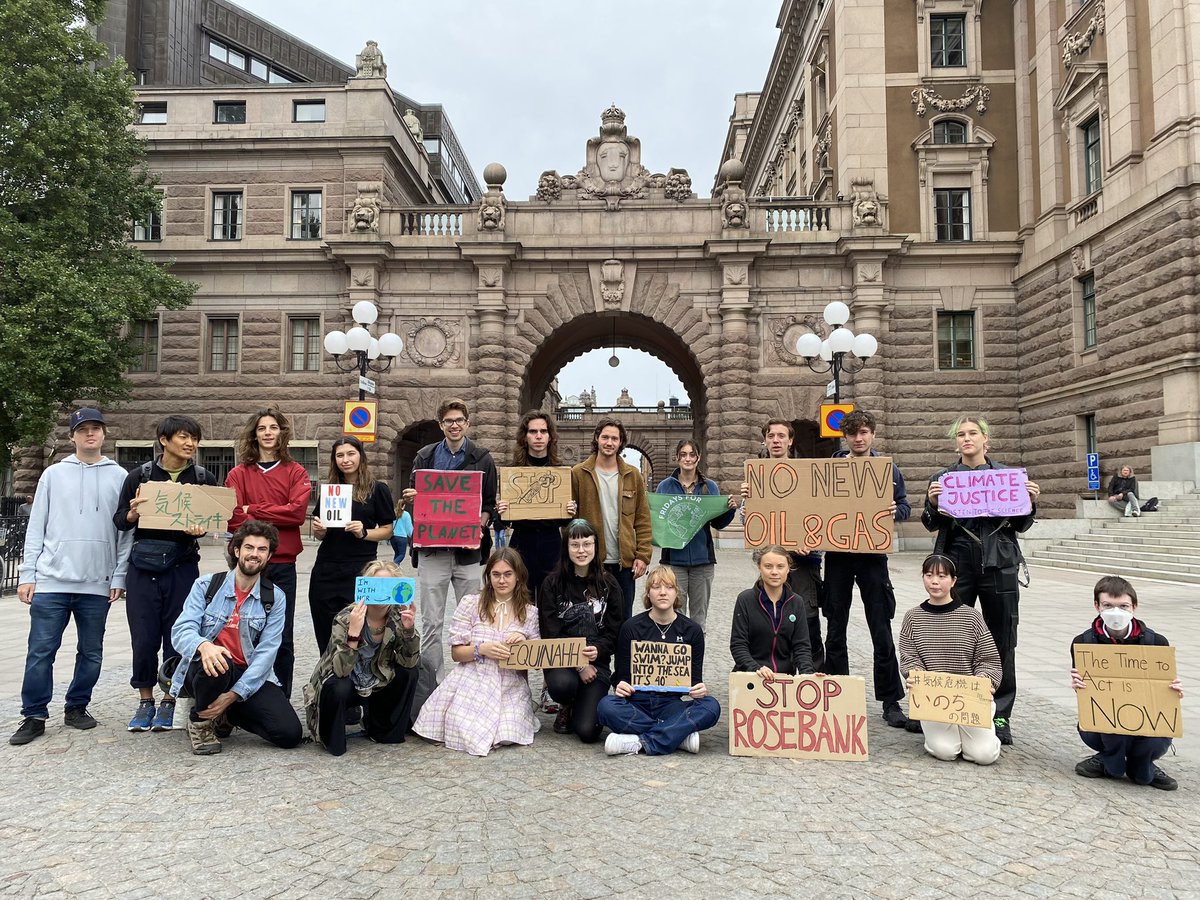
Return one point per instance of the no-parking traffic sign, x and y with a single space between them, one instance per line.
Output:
358 419
831 418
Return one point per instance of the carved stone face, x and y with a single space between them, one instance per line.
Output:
612 159
735 213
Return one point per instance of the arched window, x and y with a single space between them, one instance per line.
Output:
950 131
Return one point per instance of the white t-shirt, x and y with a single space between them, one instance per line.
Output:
610 510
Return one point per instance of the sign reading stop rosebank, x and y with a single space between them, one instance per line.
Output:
359 419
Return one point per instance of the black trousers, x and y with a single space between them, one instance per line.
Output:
153 601
998 595
266 712
386 713
805 582
870 571
628 589
284 575
330 590
568 688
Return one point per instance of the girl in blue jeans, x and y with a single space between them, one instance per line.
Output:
655 721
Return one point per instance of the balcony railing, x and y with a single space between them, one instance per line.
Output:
580 413
777 216
431 222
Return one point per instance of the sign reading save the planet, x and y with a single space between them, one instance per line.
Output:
985 492
398 591
447 508
676 518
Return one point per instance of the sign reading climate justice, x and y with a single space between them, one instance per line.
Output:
985 492
820 504
447 508
802 716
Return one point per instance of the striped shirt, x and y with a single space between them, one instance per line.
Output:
951 638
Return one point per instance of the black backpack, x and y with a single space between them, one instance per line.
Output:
202 474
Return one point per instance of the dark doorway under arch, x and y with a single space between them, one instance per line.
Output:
412 439
808 443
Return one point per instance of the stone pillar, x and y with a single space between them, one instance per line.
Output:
495 373
1177 456
867 309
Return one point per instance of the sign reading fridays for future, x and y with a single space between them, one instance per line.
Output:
676 518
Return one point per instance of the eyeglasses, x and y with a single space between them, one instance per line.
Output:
451 422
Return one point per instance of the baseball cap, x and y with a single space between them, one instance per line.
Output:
86 415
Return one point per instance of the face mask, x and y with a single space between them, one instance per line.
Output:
1116 619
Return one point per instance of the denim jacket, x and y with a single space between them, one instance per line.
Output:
261 633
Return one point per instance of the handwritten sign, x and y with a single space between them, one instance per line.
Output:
660 666
178 507
985 492
1126 690
552 653
397 591
800 716
447 509
336 500
954 699
820 504
676 518
535 492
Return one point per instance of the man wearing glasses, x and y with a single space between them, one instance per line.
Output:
439 568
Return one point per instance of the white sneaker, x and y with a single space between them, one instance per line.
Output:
618 744
691 743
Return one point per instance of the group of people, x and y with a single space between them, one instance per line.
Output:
226 640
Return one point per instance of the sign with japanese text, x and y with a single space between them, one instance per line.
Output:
447 508
170 506
953 699
801 716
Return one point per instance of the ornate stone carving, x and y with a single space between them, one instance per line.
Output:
869 273
782 332
549 186
364 216
734 211
736 274
678 186
492 206
414 124
864 202
1078 262
614 169
612 283
824 142
489 276
432 343
369 63
977 94
1079 43
1100 94
362 278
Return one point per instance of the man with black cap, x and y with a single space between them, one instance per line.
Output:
74 566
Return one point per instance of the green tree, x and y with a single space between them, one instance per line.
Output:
72 179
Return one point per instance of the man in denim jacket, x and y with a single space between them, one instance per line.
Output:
228 648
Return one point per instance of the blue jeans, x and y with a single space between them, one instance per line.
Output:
662 720
399 548
48 617
1126 754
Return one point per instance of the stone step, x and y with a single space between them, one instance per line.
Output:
1102 560
1109 539
1157 522
1115 568
1116 550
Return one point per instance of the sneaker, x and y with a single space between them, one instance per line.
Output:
548 703
618 744
1163 781
79 718
562 722
894 715
222 726
30 730
203 738
164 719
1092 767
691 743
1003 731
143 719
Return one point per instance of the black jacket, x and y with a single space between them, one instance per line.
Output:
998 537
1120 486
755 642
566 610
642 628
1139 634
476 460
191 474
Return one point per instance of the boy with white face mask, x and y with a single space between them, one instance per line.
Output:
1122 754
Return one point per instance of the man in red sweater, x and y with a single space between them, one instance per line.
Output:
272 487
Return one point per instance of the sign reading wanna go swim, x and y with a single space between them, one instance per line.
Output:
985 492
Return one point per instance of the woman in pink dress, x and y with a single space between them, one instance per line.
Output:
480 705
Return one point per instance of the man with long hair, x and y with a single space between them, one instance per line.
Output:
272 487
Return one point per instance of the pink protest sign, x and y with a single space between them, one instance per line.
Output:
447 509
985 492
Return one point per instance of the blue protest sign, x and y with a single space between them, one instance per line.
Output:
399 591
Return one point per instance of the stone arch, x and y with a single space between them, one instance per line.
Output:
415 436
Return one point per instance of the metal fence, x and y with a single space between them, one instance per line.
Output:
12 547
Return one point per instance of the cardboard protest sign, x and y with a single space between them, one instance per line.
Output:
676 518
398 591
177 507
660 666
820 504
985 492
447 509
336 505
1126 690
535 492
954 699
801 716
555 653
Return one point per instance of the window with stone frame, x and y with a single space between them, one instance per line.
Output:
956 340
144 334
218 460
223 343
1092 163
950 131
133 456
1087 297
227 216
308 111
1085 427
952 214
948 42
306 215
152 113
148 228
229 112
305 336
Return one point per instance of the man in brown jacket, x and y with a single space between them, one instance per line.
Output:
612 496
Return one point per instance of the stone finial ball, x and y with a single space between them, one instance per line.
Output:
732 169
494 173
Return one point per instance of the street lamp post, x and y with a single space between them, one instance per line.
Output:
365 348
842 351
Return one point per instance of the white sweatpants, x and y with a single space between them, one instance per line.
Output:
977 745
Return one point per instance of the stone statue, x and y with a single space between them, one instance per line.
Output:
365 214
614 169
734 207
864 202
369 63
549 186
493 206
414 124
679 185
612 282
624 400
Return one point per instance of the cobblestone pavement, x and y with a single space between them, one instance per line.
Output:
108 813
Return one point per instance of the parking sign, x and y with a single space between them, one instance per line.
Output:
1093 471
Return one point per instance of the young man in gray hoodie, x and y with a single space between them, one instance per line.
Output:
74 565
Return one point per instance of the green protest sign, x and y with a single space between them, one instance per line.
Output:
675 518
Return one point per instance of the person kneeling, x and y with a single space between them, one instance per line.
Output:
945 635
658 722
227 638
371 660
1122 754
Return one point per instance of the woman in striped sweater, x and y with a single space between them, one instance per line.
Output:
945 635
